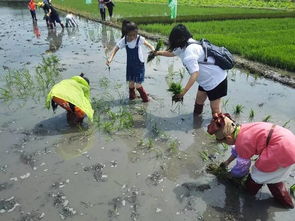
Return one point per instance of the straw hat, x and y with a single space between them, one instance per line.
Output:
221 126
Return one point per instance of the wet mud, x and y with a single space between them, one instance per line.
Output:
138 161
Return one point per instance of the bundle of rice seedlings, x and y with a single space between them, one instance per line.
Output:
222 173
176 89
152 55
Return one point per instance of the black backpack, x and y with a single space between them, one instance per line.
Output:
223 58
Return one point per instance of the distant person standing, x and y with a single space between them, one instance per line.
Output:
102 9
110 5
32 8
52 15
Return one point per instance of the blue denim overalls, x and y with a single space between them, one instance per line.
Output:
135 68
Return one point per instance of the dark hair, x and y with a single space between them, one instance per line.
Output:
85 78
123 29
130 26
178 37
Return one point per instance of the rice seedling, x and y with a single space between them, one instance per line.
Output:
155 130
286 123
173 146
267 118
176 89
19 84
47 73
204 155
251 114
225 103
225 146
238 109
152 55
104 82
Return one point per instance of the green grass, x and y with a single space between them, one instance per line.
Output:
228 3
268 41
134 9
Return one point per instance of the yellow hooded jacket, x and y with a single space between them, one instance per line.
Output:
75 90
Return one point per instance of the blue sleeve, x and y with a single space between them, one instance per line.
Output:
241 168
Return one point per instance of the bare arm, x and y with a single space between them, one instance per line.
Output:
147 44
229 160
190 83
165 53
114 51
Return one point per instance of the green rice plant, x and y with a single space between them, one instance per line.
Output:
173 146
149 144
104 82
257 36
19 84
204 155
286 123
267 118
108 127
251 114
185 8
48 73
175 88
225 103
152 55
155 130
125 119
238 109
225 146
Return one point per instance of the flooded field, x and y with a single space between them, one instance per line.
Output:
153 170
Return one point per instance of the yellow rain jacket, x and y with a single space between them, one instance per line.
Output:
75 90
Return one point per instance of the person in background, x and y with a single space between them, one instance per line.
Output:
110 5
32 8
52 15
70 20
73 95
274 146
102 9
211 78
135 63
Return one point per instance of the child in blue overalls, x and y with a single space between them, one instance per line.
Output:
135 63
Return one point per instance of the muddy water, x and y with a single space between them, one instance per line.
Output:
51 171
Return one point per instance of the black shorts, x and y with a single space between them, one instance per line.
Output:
219 91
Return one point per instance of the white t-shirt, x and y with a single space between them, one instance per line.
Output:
210 75
121 44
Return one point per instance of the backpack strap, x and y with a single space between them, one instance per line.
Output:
201 42
270 134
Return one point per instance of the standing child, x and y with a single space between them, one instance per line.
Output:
32 8
135 63
102 9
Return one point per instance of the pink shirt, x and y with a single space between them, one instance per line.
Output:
280 152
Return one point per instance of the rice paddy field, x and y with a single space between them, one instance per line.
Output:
136 161
270 41
267 40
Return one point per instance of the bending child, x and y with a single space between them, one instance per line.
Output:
274 146
73 95
135 63
211 78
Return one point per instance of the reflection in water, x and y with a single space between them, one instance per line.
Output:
74 145
54 39
36 30
107 39
71 31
